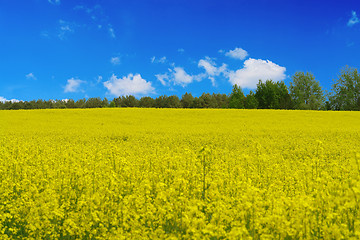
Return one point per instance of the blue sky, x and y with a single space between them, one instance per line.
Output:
61 49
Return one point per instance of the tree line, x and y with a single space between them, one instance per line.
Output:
304 92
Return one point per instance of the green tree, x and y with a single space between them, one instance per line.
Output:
207 100
113 103
172 101
306 92
80 103
251 101
222 100
237 97
94 103
147 102
198 102
70 103
272 95
187 100
160 101
129 101
345 94
105 103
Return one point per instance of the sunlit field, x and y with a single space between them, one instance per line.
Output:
179 174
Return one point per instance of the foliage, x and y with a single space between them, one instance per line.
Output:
237 97
346 90
251 101
306 92
272 95
147 102
131 173
187 100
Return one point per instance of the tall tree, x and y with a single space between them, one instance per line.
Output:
172 101
93 103
129 101
272 95
345 94
306 92
187 100
251 101
222 100
207 100
147 102
160 101
237 97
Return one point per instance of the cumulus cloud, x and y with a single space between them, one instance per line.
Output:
115 60
158 60
2 99
128 85
55 2
181 77
178 76
237 53
254 70
353 20
73 85
30 76
211 69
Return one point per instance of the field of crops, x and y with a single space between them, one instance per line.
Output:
179 174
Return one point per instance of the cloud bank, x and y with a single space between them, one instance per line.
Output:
128 85
254 70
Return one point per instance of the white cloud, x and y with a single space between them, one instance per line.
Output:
237 53
160 60
208 65
128 85
353 20
181 50
64 29
111 32
73 85
162 78
178 76
211 70
30 76
254 70
55 2
2 99
99 79
115 60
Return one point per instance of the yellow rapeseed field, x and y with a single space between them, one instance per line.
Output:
179 174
